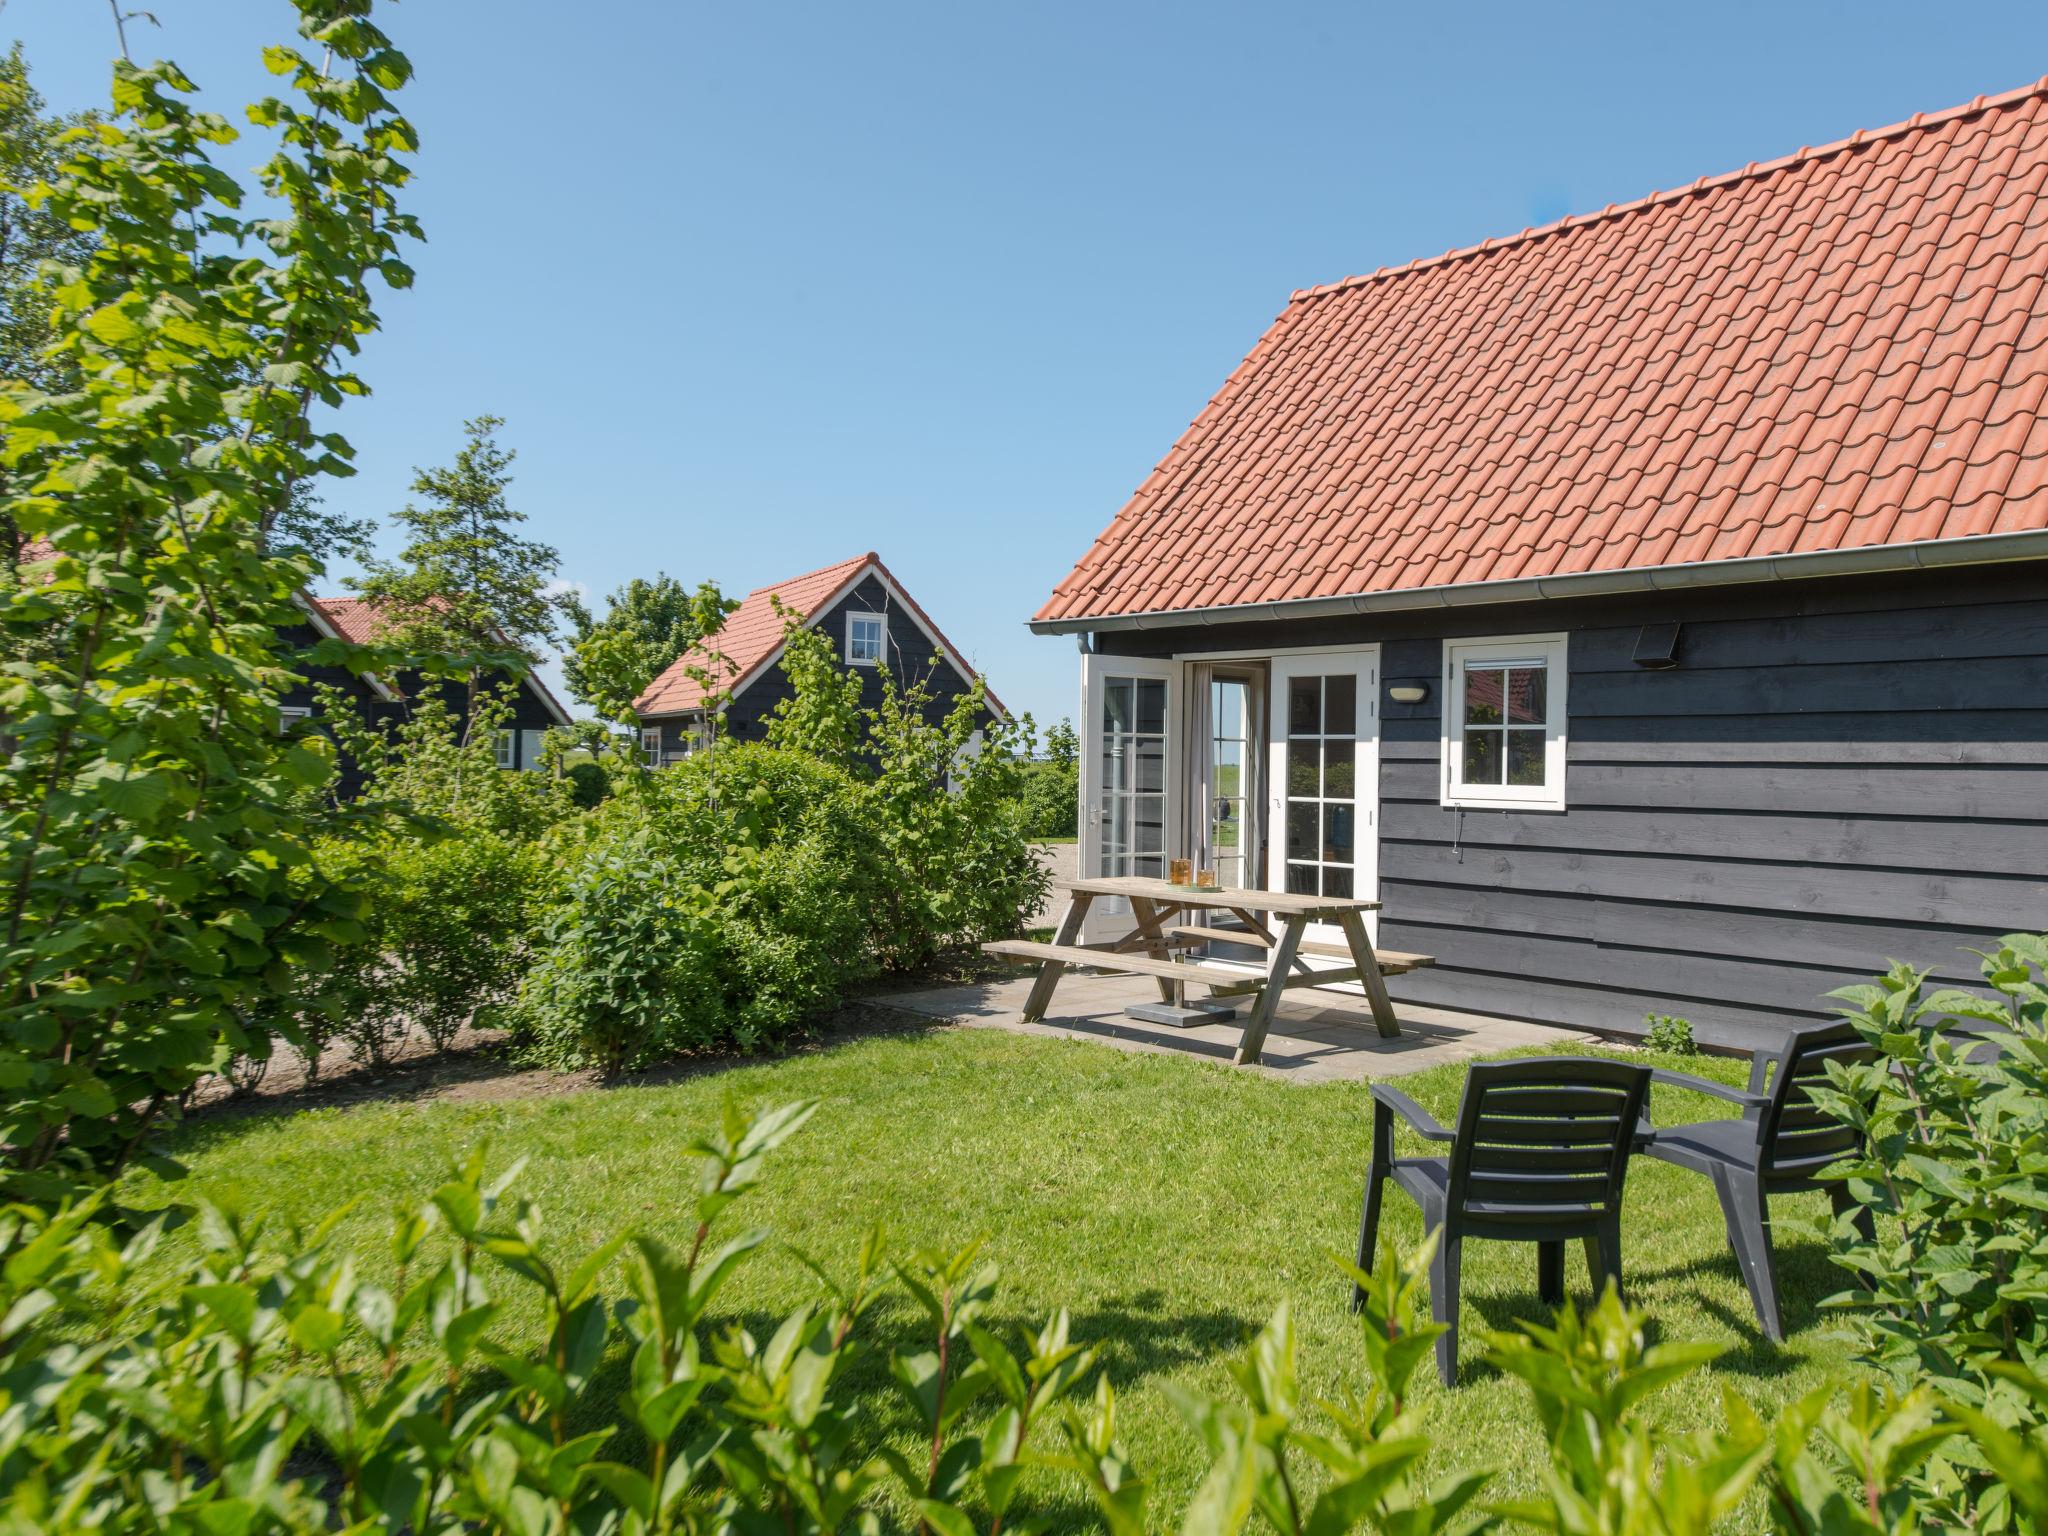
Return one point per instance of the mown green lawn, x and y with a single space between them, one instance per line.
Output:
1170 1204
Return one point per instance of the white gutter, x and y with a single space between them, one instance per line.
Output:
1933 554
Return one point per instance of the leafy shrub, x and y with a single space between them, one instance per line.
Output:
447 926
626 972
1051 802
1670 1035
786 845
944 804
732 898
437 766
266 1350
961 866
157 901
1052 786
263 1387
587 784
447 852
1955 1289
724 903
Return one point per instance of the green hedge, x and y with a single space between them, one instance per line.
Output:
729 900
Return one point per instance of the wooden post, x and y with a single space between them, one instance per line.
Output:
1369 974
1049 973
1254 1038
1147 917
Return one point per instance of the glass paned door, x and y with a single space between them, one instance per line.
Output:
1228 786
1326 776
1129 790
1132 753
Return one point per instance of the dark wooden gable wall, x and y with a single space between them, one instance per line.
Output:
529 713
1837 773
910 658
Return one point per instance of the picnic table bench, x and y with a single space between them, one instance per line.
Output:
1159 909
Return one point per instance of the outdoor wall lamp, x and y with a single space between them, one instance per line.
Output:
1408 693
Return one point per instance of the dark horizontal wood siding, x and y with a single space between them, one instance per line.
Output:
529 712
911 659
1837 773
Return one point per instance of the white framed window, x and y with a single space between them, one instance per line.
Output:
530 754
1504 723
504 746
650 745
289 715
865 636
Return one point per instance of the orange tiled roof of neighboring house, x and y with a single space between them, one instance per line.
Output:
351 619
752 636
1839 350
359 622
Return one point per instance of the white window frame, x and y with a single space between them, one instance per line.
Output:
650 745
881 621
289 715
504 748
1551 653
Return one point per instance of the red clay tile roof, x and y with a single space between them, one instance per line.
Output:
752 636
1838 350
358 622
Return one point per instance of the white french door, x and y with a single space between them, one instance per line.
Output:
1323 788
1224 818
1130 776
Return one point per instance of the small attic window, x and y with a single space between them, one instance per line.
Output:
864 639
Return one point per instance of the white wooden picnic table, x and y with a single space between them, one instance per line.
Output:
1150 949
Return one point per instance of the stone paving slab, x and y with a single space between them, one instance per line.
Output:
1326 1039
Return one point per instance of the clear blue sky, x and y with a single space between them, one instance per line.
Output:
762 286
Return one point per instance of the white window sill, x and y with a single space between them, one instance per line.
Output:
1479 800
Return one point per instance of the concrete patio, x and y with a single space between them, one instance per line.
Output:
1326 1038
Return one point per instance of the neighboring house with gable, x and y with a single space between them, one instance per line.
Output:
382 700
872 624
1650 610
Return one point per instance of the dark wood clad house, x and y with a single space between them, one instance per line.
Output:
857 604
382 701
1651 610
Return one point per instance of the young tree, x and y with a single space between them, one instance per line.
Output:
31 232
466 583
821 714
306 526
156 895
32 236
1062 746
646 626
